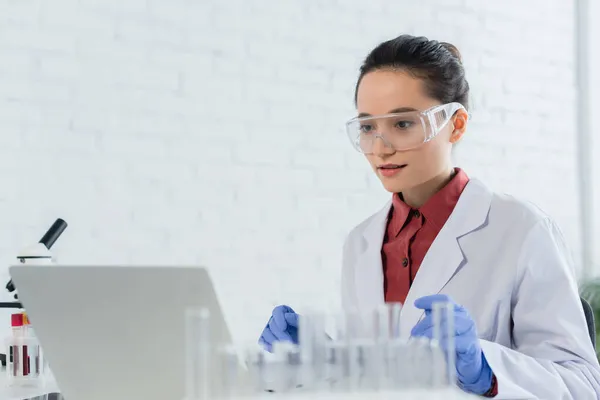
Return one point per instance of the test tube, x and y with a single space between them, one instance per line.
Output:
293 366
395 310
284 368
307 349
354 365
197 340
376 368
340 331
319 342
305 338
449 316
365 359
438 365
336 355
255 359
439 362
353 325
230 371
395 360
382 315
391 343
422 362
378 365
409 364
443 316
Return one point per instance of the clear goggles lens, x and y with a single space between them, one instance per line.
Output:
399 131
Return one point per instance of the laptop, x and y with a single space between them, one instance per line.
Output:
117 332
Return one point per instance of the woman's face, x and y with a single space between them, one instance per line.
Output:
383 91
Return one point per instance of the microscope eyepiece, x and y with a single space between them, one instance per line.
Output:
53 233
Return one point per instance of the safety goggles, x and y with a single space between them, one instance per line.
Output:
400 131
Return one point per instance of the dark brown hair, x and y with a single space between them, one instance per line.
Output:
438 64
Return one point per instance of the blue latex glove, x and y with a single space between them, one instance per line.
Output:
472 370
282 326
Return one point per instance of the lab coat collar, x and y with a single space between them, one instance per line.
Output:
442 261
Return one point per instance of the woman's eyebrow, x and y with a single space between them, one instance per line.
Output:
395 110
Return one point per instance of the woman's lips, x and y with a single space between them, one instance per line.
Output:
389 170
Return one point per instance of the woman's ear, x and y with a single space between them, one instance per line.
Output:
459 122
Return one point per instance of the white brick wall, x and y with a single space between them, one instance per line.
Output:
211 132
594 93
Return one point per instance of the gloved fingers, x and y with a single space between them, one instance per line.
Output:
469 377
420 328
279 314
268 336
283 309
267 346
464 325
467 346
462 344
426 302
461 324
280 334
426 332
292 319
428 323
278 319
288 309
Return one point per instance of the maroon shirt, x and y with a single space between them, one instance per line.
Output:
410 233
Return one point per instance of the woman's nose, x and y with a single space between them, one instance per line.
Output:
381 146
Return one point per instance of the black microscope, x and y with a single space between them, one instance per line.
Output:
38 254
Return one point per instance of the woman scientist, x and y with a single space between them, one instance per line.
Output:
501 263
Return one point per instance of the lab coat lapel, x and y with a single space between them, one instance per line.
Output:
369 269
445 255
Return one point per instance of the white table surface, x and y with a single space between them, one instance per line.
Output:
19 393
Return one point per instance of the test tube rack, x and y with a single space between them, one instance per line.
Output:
364 357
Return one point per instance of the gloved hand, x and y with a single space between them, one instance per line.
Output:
472 370
283 325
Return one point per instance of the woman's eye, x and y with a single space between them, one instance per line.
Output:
366 128
404 124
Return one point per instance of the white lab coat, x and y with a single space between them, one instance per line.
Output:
507 263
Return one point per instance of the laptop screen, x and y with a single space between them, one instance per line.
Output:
49 396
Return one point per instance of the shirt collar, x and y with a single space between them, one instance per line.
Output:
400 212
439 207
436 210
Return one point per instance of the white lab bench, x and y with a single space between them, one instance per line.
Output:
8 393
18 393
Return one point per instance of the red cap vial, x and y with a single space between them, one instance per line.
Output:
16 320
